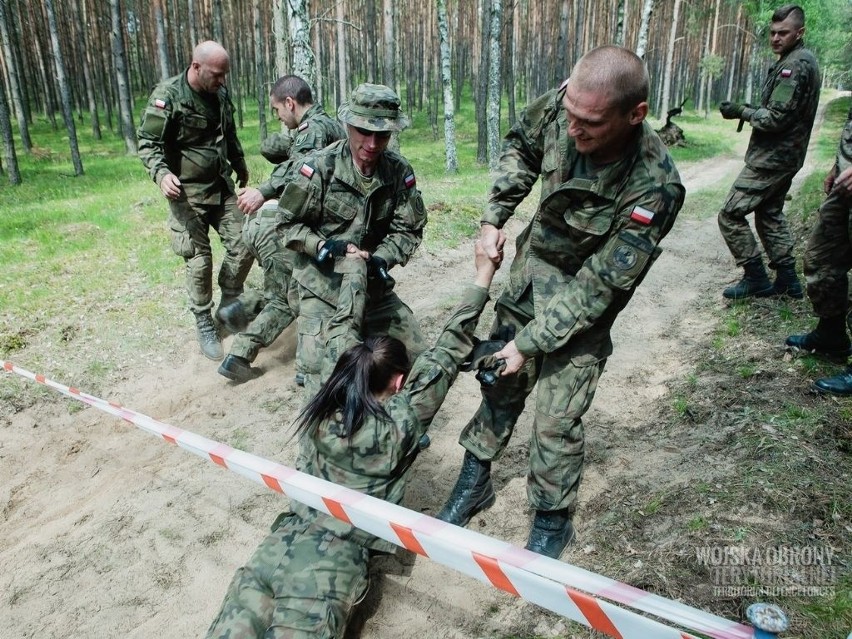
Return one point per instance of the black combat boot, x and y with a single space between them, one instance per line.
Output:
472 493
233 316
551 532
829 338
755 283
840 384
208 338
787 282
238 369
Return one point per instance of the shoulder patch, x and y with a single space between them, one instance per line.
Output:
304 125
307 171
159 103
786 73
410 181
642 215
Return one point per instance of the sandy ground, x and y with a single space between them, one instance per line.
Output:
107 531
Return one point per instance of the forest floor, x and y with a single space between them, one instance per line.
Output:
106 531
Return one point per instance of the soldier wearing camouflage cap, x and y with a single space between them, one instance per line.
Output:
353 192
827 261
781 128
188 143
259 320
609 194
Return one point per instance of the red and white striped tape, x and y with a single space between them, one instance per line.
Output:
567 590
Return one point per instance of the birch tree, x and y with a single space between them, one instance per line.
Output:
260 70
14 80
304 62
64 88
669 64
389 51
494 85
447 83
642 40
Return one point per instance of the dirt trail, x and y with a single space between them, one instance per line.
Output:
107 531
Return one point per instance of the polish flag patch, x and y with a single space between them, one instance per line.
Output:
786 73
410 180
302 126
641 215
160 104
307 171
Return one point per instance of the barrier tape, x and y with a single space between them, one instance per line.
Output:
567 590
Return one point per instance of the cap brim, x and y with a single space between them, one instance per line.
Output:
345 115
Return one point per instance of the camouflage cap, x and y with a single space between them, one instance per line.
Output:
374 107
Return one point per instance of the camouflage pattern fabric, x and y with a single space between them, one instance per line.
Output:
324 198
589 245
276 147
781 125
762 191
316 131
193 137
828 254
300 583
260 233
376 458
781 129
374 107
304 578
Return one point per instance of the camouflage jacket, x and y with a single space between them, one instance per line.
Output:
781 126
192 136
376 459
591 241
316 131
323 199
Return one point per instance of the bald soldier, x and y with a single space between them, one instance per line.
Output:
188 143
609 194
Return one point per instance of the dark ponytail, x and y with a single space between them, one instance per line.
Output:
362 372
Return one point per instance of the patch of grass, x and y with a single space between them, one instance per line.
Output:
240 438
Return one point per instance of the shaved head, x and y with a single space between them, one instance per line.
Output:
614 72
209 68
209 50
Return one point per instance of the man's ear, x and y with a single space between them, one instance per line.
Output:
397 382
638 113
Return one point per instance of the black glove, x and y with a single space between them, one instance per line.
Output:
732 110
378 267
335 248
482 360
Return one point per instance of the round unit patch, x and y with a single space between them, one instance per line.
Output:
624 257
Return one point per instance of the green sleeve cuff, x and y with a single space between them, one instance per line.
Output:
525 345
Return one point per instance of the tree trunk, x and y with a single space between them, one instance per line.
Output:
118 57
619 24
88 76
260 69
162 45
304 63
494 85
64 89
218 31
667 73
642 40
193 27
447 82
562 42
14 86
389 51
8 139
279 28
482 84
342 78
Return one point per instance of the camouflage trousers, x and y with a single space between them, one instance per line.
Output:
190 226
565 392
272 313
385 315
828 258
762 191
301 583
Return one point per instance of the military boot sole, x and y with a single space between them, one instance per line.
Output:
240 376
730 294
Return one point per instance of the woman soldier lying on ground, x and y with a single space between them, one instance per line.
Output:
360 431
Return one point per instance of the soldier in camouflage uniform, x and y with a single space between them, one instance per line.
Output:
258 321
354 191
304 578
828 259
609 193
188 143
781 128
